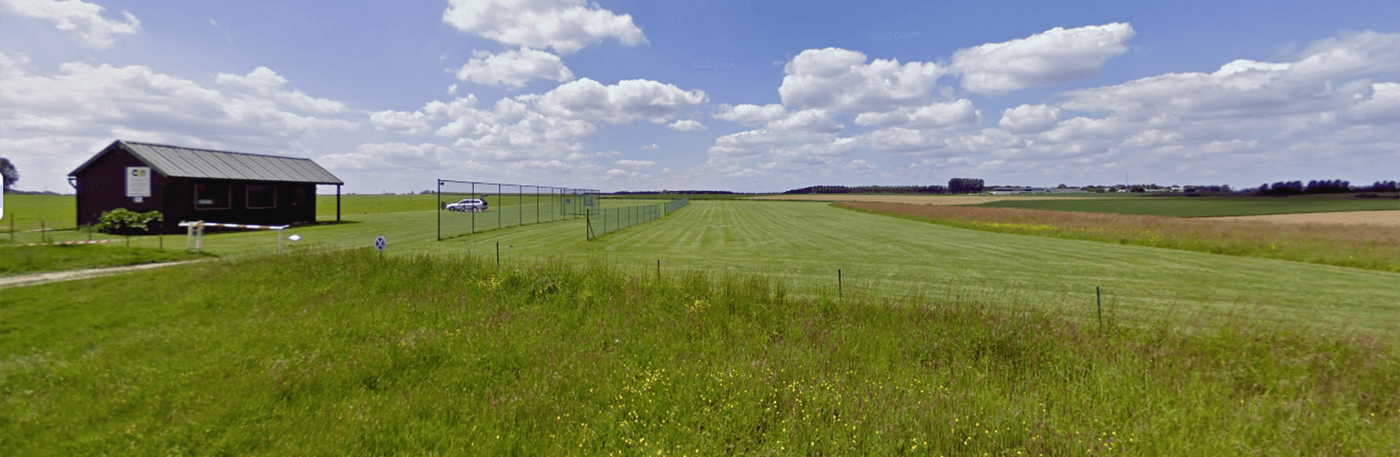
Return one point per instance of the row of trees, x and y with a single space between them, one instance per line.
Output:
1325 186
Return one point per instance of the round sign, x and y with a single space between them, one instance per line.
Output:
380 243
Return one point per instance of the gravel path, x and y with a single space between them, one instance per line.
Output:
42 278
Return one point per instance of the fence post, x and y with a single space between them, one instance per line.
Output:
838 284
1098 296
498 254
658 269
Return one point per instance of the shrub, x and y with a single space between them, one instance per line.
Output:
122 221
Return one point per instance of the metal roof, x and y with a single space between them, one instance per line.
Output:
183 162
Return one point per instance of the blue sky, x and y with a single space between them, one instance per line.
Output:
744 96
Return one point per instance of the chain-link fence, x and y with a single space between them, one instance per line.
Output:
467 207
607 220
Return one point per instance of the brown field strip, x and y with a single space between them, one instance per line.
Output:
1348 245
1386 218
910 199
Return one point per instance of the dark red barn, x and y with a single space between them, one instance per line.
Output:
188 184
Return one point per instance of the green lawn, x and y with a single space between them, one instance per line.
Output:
803 244
343 353
33 259
29 212
1205 206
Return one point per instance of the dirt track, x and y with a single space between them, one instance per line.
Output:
912 199
1389 218
41 278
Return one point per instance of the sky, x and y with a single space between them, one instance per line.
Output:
744 96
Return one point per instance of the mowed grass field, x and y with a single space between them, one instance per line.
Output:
803 244
1205 206
941 340
344 353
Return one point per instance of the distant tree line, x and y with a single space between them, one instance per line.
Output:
1325 186
870 190
955 186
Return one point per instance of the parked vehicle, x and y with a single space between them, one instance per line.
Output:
468 204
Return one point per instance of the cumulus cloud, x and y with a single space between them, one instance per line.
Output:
80 108
839 80
81 18
750 115
1050 57
268 84
95 99
686 125
1029 118
621 103
514 68
564 25
635 164
932 116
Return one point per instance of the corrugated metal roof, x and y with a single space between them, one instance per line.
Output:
183 162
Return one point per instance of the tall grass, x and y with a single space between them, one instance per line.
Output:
1354 246
343 353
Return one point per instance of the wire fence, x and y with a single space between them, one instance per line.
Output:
608 220
469 207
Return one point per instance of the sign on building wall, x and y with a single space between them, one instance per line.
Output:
138 181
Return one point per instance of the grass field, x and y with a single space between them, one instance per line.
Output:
1353 246
344 353
1204 206
31 259
803 244
940 340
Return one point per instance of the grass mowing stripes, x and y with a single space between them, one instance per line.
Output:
343 353
804 243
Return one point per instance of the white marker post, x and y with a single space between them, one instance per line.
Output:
380 243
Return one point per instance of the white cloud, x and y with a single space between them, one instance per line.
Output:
635 164
932 116
652 147
268 84
81 18
839 80
374 156
565 25
84 99
621 103
1029 118
514 68
65 117
686 125
750 115
1050 57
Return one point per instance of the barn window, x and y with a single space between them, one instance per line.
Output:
211 196
262 197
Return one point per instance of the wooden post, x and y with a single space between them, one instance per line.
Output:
337 204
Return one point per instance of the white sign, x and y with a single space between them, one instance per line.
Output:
138 182
380 243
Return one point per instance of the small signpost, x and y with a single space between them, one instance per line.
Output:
380 243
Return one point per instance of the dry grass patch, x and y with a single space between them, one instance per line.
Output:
1355 246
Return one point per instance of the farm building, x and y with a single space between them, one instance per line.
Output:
188 184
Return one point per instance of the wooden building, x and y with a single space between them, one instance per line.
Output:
188 184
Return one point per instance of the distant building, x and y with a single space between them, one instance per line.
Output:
188 184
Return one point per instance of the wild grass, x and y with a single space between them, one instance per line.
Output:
1205 206
346 354
1353 246
33 259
